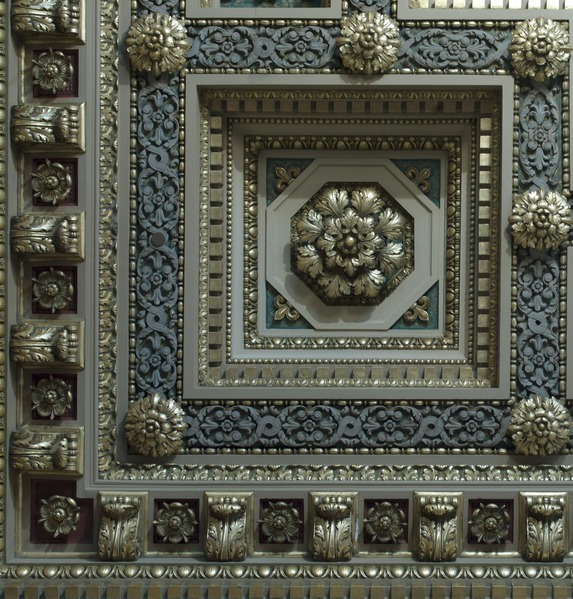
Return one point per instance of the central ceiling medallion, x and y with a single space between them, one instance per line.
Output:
348 244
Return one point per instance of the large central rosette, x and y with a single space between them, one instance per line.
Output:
347 244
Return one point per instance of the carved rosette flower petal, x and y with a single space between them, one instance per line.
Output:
368 42
539 426
490 523
52 71
385 522
52 290
347 244
51 182
59 515
540 49
154 426
51 397
540 219
280 522
175 523
157 43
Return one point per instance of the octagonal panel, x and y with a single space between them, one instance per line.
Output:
351 244
355 171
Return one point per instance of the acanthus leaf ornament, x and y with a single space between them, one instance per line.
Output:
48 18
540 219
368 42
36 449
119 538
59 515
154 426
333 526
544 526
540 49
540 426
157 43
437 529
227 531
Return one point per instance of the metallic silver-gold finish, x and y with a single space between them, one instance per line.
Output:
385 522
228 534
175 523
36 236
41 450
59 127
490 523
121 526
51 397
368 42
540 49
437 526
540 219
539 426
52 71
348 244
154 426
59 515
334 518
157 42
47 343
418 311
51 182
543 526
48 19
52 290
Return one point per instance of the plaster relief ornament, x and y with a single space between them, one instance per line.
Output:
157 43
368 42
52 71
539 426
347 244
385 522
540 219
51 397
51 182
52 290
540 49
154 426
59 515
490 523
175 523
280 523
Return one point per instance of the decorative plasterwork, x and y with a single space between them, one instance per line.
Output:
37 236
59 515
52 71
228 534
58 127
40 343
368 42
544 526
437 526
334 526
48 19
41 450
156 42
121 526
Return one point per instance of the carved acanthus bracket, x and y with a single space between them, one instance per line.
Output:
59 127
228 531
48 19
334 526
544 536
48 236
437 526
48 343
121 525
55 450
